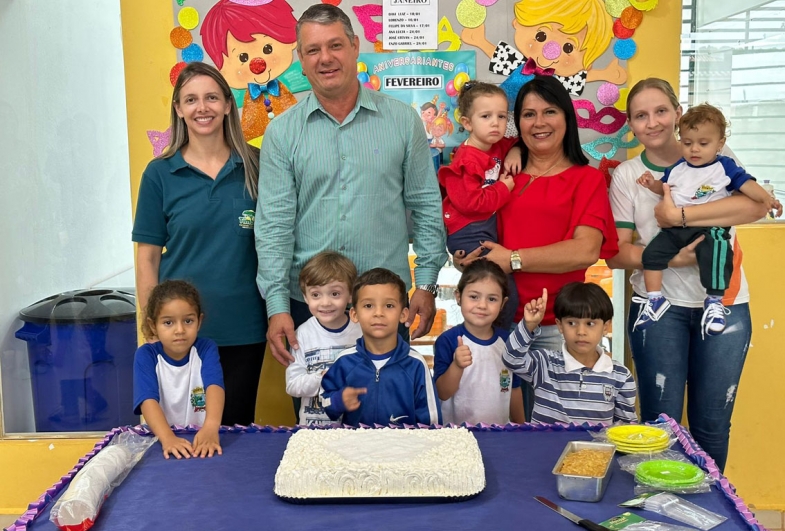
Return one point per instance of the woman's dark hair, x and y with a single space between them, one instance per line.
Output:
164 292
583 301
478 271
552 91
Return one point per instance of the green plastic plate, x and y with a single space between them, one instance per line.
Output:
667 473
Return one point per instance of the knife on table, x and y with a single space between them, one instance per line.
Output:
586 524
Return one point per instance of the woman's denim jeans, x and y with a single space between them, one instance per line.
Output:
672 353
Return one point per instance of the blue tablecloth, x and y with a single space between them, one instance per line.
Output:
235 491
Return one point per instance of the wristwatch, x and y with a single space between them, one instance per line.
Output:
515 261
430 288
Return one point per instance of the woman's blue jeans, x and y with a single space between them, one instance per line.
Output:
672 354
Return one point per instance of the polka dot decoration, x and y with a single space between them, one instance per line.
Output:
625 48
175 71
631 18
615 7
486 3
621 103
470 14
644 5
188 17
180 37
193 52
608 94
621 32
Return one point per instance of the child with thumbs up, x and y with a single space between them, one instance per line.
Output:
471 380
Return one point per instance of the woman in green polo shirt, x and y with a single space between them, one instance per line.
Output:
197 201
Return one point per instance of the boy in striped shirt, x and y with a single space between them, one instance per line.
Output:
580 383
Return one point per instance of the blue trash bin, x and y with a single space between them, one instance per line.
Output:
81 348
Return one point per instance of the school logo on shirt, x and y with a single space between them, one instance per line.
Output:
247 219
703 191
607 391
198 399
505 380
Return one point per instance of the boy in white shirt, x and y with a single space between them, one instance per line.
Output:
326 282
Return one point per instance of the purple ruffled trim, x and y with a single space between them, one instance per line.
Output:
691 448
705 461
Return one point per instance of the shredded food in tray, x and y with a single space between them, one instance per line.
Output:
590 463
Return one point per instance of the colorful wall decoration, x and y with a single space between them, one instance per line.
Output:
429 81
584 43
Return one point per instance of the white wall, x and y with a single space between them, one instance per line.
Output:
65 208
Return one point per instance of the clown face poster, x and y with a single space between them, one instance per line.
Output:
252 43
429 82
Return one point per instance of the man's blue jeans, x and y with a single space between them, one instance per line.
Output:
672 353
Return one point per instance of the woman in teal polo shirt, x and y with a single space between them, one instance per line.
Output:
197 200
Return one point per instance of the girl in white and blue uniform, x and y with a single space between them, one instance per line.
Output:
471 379
178 379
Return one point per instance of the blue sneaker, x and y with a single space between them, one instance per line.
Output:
651 313
713 322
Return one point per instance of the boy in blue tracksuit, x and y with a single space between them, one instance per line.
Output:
381 380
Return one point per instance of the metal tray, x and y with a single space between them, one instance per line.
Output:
583 488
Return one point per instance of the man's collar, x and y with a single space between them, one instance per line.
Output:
364 99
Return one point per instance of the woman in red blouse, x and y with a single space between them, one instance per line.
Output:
559 220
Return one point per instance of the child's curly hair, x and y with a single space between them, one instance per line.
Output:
473 89
164 292
704 114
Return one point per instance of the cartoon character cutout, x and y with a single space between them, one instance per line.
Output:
428 113
252 42
557 38
441 126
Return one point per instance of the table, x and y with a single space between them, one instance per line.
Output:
235 491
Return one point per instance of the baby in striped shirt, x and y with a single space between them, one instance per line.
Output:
581 382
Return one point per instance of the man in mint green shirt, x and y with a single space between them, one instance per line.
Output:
338 171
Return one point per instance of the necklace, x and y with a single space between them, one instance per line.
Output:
535 177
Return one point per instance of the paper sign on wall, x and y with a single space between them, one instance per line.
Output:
429 82
410 24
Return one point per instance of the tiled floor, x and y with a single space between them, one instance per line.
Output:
772 520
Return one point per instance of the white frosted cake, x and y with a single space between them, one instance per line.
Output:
386 462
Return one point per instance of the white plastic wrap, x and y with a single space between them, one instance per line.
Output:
79 505
629 463
651 525
683 511
602 436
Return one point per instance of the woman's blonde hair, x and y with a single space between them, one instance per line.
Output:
574 16
652 83
232 130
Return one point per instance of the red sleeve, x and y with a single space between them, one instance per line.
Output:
503 146
592 208
463 180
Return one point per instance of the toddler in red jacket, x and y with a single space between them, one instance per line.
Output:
478 182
